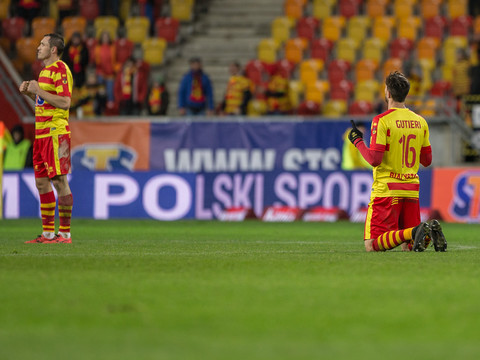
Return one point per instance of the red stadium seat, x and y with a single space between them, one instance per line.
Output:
13 28
89 9
349 8
307 28
284 68
401 48
338 70
440 88
255 71
360 107
321 49
37 67
460 26
434 27
167 28
341 90
308 108
124 49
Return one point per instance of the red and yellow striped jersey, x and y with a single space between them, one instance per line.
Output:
56 79
402 134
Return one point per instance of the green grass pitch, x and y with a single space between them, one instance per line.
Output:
252 290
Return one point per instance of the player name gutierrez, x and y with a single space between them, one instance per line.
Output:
403 176
408 124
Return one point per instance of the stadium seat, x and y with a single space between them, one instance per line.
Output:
460 26
376 8
427 67
403 8
108 24
322 9
125 6
382 28
430 8
391 65
27 49
365 70
295 91
167 28
427 48
37 67
42 26
294 8
255 71
373 49
257 107
447 72
401 48
4 9
309 70
360 107
181 10
450 47
153 50
456 8
332 27
357 28
280 29
338 70
294 50
434 27
321 49
308 108
13 28
137 28
315 91
366 90
123 49
340 90
72 24
284 68
347 50
407 28
89 9
267 51
441 88
335 108
307 28
348 8
476 26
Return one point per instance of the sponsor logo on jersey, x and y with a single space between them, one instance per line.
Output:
40 101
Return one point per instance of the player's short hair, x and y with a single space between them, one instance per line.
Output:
398 86
57 41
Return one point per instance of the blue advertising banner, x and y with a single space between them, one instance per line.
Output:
169 196
210 147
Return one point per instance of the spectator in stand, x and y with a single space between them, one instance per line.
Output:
131 88
29 9
18 154
105 62
88 101
76 57
195 94
158 97
278 102
474 73
461 81
238 94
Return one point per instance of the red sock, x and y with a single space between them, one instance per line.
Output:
392 239
47 209
65 212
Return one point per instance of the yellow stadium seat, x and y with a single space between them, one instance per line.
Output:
294 50
403 8
347 50
456 8
430 8
137 28
373 49
256 107
294 8
153 50
27 49
335 108
281 29
315 91
357 28
181 9
125 6
427 48
427 67
322 9
450 47
376 8
391 65
382 28
332 27
447 72
42 26
267 51
295 91
108 24
72 24
309 70
366 90
4 7
365 70
408 28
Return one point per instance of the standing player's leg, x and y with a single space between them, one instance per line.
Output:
65 203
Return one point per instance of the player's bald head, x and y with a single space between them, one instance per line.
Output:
398 86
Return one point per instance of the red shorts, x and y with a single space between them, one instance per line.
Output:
51 156
391 213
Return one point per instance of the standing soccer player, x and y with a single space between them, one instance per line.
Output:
51 149
399 144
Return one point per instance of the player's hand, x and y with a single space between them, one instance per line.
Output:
355 135
23 87
33 87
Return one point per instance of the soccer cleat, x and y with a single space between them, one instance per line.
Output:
436 233
40 239
422 231
58 239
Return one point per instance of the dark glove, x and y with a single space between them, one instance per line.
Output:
355 135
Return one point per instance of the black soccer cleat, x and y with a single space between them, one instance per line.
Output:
436 233
420 239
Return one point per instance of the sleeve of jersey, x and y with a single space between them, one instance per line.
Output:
426 155
373 157
378 139
63 82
